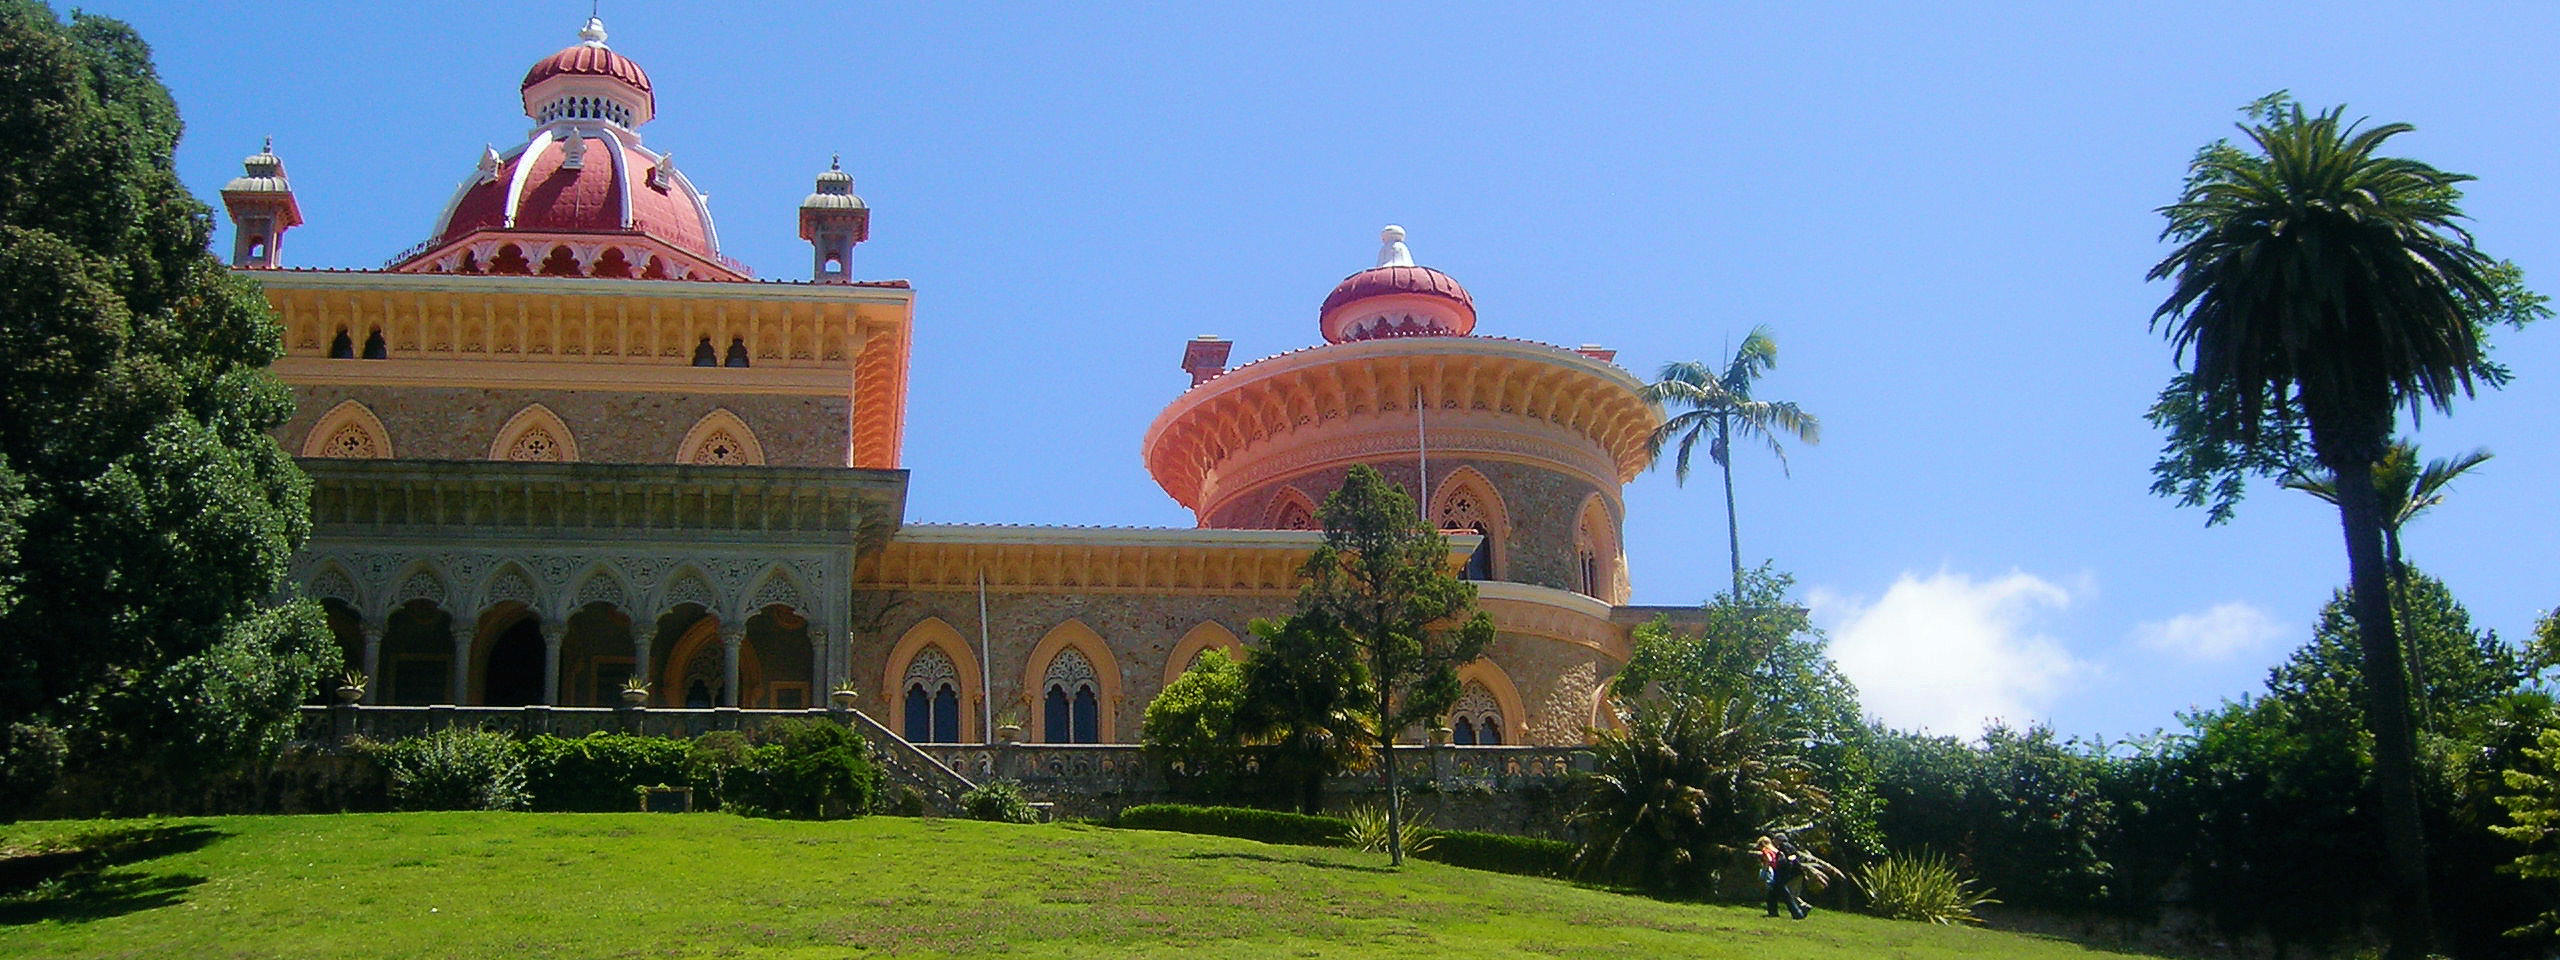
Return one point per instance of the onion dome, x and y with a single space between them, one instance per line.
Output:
1396 299
263 172
834 190
589 81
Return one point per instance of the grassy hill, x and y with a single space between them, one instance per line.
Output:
485 885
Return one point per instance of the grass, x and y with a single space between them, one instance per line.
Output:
710 885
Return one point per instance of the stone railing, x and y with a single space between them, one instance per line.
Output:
940 782
1049 768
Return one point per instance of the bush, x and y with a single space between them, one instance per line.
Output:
904 800
808 768
597 773
1500 853
1000 801
1367 830
1268 826
712 760
1920 887
455 769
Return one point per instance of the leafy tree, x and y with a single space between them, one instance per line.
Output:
1382 584
1191 728
2405 491
1685 789
145 514
1717 406
2027 812
1762 645
1306 704
2535 808
2316 288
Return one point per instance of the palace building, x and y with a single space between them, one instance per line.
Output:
564 443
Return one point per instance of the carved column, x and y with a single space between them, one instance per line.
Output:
458 692
731 639
821 676
641 637
552 635
372 663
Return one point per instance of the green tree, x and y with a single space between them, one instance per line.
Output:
1382 582
2404 490
2535 809
1717 406
2317 287
149 516
1191 728
1307 706
1762 645
1683 791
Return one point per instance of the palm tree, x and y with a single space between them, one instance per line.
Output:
1679 795
2318 287
2403 490
1717 407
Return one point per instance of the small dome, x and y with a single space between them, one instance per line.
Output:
590 58
1439 305
261 172
564 84
834 190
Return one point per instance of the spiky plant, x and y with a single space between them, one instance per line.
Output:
1921 887
1678 795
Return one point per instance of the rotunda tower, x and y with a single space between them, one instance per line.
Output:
581 196
1526 443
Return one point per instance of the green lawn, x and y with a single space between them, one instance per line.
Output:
484 885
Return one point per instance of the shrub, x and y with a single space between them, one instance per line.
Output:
712 760
596 773
1190 729
1000 801
459 769
1367 830
1268 826
904 800
1500 853
809 768
1920 887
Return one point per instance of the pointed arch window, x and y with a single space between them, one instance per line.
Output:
1294 514
1071 704
535 434
1477 719
721 439
348 431
932 699
1464 506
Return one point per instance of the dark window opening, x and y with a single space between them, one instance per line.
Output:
737 352
344 347
704 355
374 347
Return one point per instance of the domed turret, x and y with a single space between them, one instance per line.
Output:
260 202
581 197
832 219
1396 299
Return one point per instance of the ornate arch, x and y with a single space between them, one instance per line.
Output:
699 650
534 434
1074 635
1292 509
1600 567
689 585
600 585
1465 499
778 586
331 579
1209 635
934 634
511 582
1487 675
420 581
720 439
348 431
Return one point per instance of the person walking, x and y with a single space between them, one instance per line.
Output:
1775 871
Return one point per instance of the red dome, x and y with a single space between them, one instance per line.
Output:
589 60
1386 281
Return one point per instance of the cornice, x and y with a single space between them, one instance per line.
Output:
1165 561
386 500
1457 434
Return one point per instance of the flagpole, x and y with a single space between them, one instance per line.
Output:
986 672
1422 449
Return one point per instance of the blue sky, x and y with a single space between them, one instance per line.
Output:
1944 211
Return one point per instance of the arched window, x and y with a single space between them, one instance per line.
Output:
1464 504
534 434
344 347
374 347
704 355
720 439
932 694
1595 553
1071 705
348 431
737 352
1477 719
1293 515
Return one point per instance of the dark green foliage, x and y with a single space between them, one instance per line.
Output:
134 451
1501 853
1191 729
1000 801
1762 645
2532 802
458 769
1676 799
2025 812
1306 705
1268 826
597 773
806 768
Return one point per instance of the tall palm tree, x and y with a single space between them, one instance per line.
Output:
2318 287
1717 406
2403 490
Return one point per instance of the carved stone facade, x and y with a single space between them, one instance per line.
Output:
461 423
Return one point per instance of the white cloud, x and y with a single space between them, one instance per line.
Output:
1947 653
2221 633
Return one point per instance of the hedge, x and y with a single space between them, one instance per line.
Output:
1500 853
598 773
1268 826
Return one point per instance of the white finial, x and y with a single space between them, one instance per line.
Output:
489 161
1391 248
593 32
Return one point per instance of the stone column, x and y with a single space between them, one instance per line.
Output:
640 666
730 640
372 663
458 692
552 635
821 676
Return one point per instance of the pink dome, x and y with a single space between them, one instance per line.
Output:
1456 315
590 60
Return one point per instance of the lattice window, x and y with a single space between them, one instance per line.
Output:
1071 706
1477 719
721 449
352 441
932 697
1293 515
535 444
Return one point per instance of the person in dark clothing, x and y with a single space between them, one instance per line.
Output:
1785 872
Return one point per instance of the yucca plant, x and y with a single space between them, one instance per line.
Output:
1369 830
1921 886
1679 795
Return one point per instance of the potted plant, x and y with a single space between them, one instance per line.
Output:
635 692
351 686
843 695
1440 735
1009 725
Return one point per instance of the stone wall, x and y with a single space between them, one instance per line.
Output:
458 423
1541 505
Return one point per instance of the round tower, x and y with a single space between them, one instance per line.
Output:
1526 443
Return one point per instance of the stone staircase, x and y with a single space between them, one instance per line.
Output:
942 786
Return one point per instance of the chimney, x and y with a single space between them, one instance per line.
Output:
1597 352
1205 357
